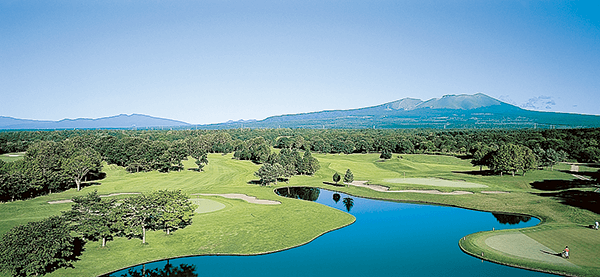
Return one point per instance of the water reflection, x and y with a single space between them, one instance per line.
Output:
370 245
336 197
304 193
182 270
511 219
348 203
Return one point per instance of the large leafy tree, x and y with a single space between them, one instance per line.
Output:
269 173
95 218
173 208
139 215
386 154
81 163
482 157
511 157
309 164
167 210
37 247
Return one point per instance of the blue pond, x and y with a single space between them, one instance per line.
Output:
387 239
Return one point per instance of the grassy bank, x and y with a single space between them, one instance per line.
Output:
245 228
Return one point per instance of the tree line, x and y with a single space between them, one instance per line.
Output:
580 144
58 160
43 246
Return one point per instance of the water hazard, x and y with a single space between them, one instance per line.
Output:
387 239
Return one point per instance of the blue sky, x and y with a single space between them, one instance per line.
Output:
213 61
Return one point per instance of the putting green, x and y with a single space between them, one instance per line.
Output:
435 182
207 205
519 244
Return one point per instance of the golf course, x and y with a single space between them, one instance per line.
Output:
237 216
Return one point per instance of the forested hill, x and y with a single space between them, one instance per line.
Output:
121 121
450 111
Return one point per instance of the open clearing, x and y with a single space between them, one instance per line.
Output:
435 182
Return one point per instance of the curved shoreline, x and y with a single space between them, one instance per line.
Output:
542 221
510 264
235 255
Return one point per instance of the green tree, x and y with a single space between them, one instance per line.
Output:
139 215
386 154
81 163
268 173
37 248
482 157
95 218
309 164
336 177
348 177
511 157
173 208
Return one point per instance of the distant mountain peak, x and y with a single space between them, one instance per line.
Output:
460 102
404 104
453 102
111 122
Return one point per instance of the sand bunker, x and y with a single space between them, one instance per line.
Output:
435 182
386 189
249 199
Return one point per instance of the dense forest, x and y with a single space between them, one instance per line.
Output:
59 160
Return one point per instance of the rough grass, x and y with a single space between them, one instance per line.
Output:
244 228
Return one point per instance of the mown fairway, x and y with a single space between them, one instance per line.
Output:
244 228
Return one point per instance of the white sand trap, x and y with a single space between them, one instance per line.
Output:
249 199
435 182
519 244
386 189
207 205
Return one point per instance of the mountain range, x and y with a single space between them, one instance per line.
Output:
450 111
121 121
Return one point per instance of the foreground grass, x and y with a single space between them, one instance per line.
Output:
244 228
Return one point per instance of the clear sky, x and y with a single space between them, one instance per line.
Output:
213 61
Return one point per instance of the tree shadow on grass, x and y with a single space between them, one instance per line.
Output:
477 172
254 182
78 245
550 253
554 185
334 184
587 200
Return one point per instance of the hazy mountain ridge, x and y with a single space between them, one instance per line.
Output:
449 111
116 122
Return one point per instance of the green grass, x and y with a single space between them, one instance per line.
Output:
11 157
244 228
